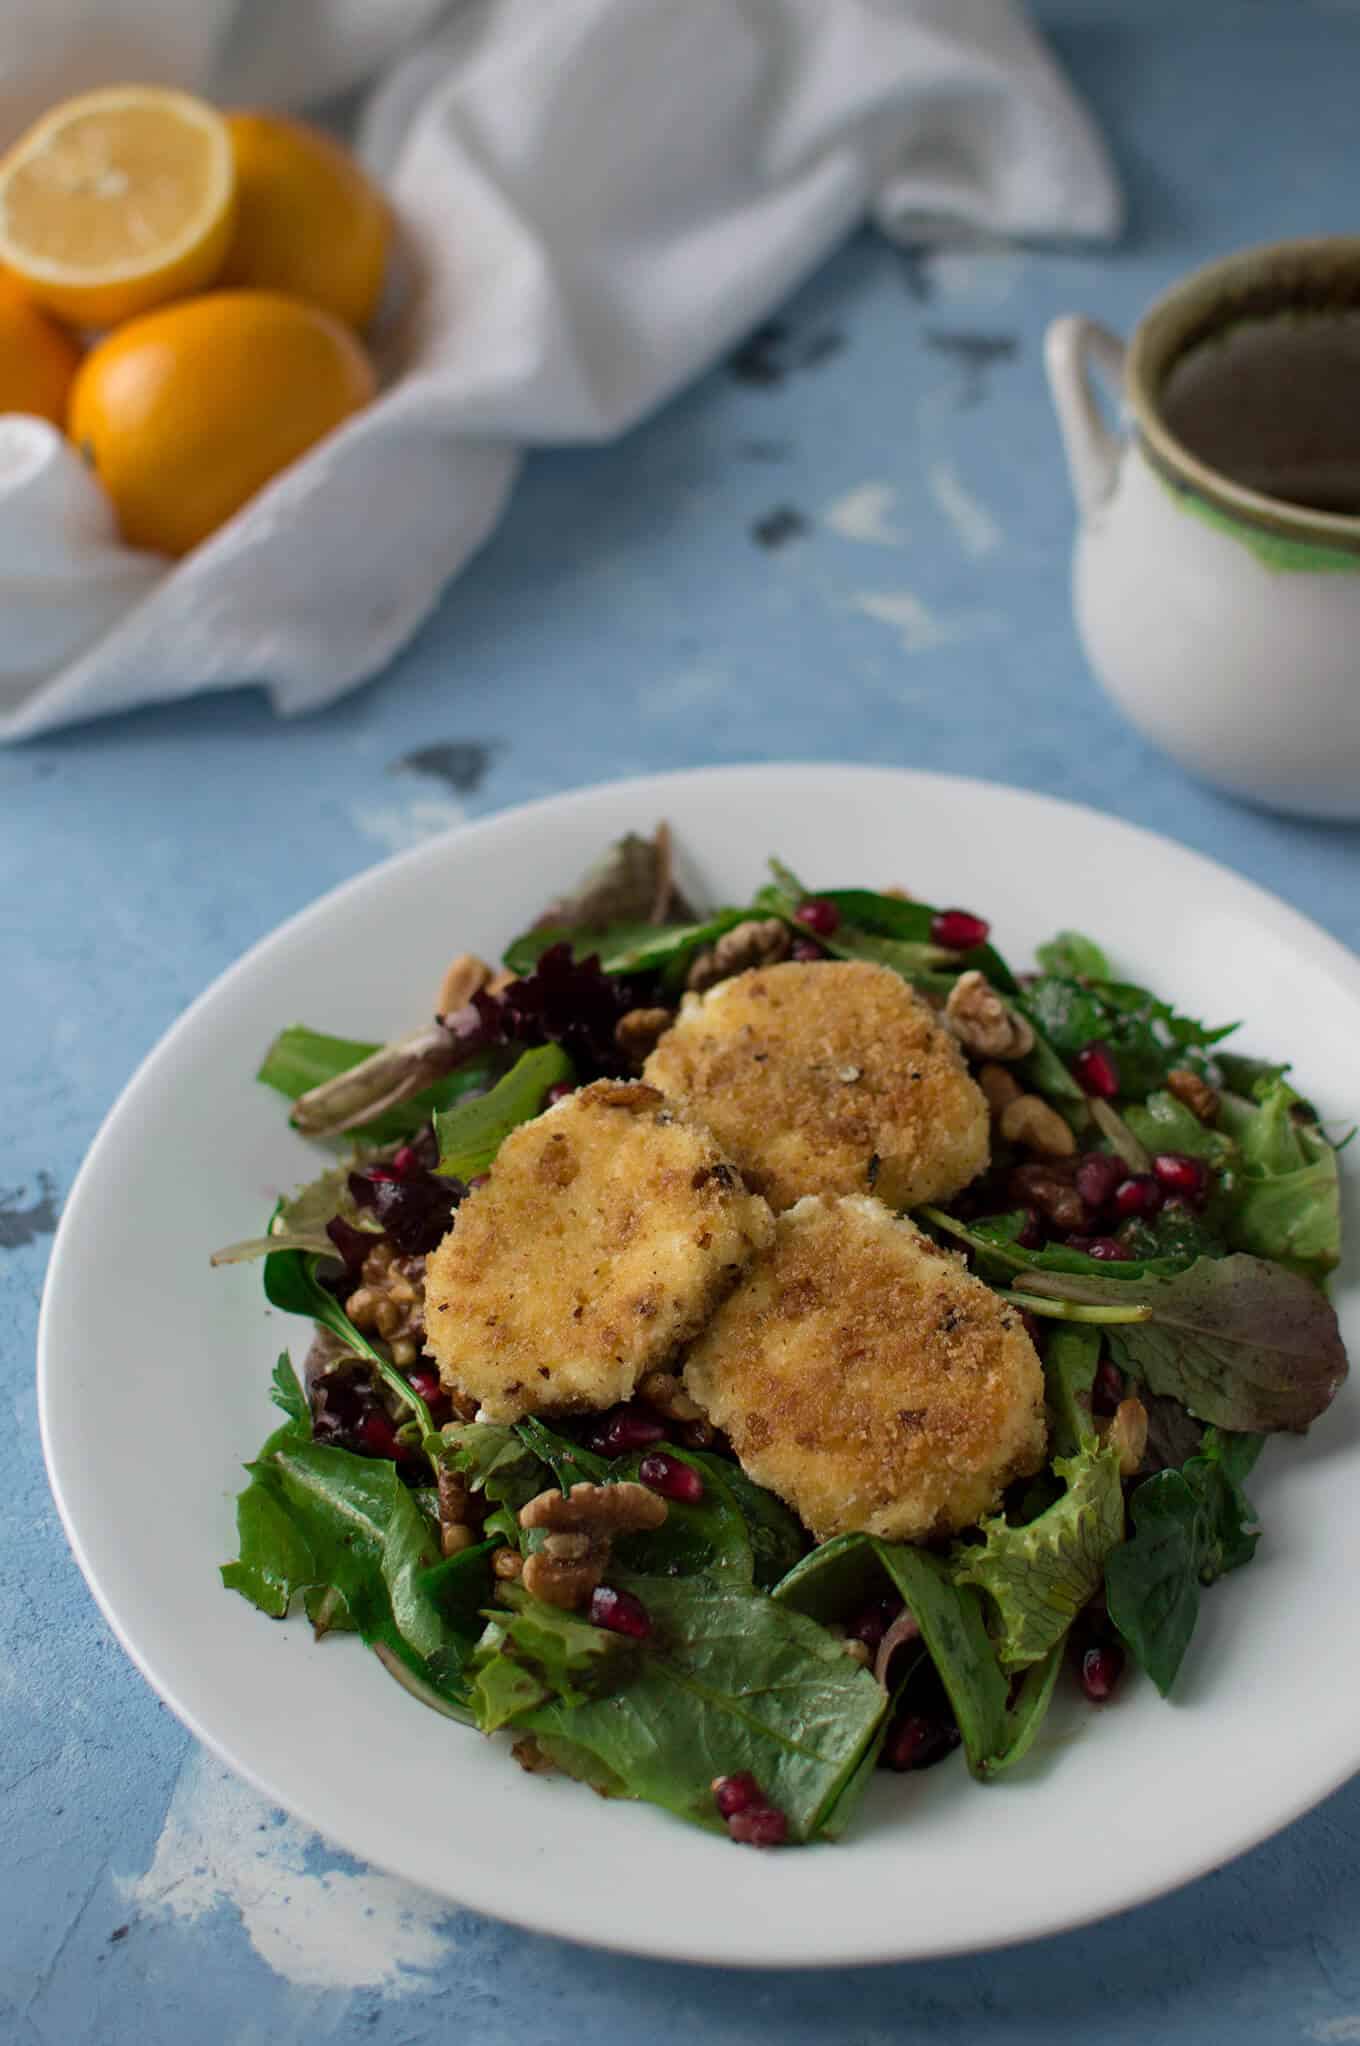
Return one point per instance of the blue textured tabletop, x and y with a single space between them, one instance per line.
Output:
849 542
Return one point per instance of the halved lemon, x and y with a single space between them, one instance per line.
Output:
116 201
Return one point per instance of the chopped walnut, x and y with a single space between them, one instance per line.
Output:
1032 1123
1194 1091
595 1510
508 1565
464 977
999 1086
762 941
1049 1188
389 1301
983 1023
637 1033
581 1523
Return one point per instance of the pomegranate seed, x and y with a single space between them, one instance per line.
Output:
426 1383
805 950
620 1612
1031 1236
1101 1669
822 918
377 1432
916 1741
733 1794
1182 1175
405 1162
1139 1195
626 1429
760 1825
1098 1175
958 930
671 1478
1107 1389
560 1091
1108 1249
1097 1071
386 1173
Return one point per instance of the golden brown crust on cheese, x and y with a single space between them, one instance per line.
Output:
829 1077
608 1230
869 1379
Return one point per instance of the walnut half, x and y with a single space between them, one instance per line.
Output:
983 1023
580 1526
760 941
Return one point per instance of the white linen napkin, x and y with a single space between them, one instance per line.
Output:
599 197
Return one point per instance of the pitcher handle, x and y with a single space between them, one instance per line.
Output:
1070 346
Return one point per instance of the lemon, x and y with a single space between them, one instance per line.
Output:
309 221
117 201
186 412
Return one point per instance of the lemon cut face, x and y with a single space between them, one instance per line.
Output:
117 201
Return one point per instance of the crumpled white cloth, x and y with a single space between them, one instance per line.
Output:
598 196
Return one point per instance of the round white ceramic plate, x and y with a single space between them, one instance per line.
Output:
153 1372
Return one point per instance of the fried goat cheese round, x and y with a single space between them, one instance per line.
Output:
869 1379
830 1077
606 1233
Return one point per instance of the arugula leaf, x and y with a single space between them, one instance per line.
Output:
300 1059
472 1133
994 1240
1073 957
568 1462
285 1389
1241 1342
727 1681
1190 1526
1070 1359
299 1223
1038 1577
1147 1037
1284 1198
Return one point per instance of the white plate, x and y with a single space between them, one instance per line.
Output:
153 1373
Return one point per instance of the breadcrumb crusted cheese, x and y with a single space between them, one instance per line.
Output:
607 1232
829 1077
869 1379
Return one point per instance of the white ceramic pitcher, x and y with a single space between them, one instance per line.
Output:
1216 579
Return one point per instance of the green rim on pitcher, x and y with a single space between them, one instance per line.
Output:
1322 275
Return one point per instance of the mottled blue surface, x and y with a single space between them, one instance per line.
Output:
627 618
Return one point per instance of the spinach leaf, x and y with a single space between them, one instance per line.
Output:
1025 1717
1070 1359
1147 1037
472 1133
1241 1342
886 930
300 1059
831 1581
291 1284
1073 957
776 1536
1284 1198
707 1539
1190 1526
950 1617
1038 1577
727 1681
993 1239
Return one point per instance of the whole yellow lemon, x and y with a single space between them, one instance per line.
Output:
309 221
185 413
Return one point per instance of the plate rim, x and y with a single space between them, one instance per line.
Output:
1324 949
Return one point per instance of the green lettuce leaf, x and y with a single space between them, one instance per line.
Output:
727 1681
472 1133
1285 1195
1038 1577
1190 1526
1073 957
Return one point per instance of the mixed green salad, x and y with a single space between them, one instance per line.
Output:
1171 1265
